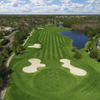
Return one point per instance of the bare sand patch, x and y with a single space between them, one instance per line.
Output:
35 46
73 70
35 64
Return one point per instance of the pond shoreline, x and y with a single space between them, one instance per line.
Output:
79 39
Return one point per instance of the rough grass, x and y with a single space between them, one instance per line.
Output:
53 82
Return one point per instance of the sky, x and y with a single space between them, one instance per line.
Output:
49 6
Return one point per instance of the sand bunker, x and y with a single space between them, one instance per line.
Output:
73 70
35 64
35 46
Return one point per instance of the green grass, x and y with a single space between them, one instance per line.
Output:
53 82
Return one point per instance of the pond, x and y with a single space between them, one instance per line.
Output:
59 25
79 39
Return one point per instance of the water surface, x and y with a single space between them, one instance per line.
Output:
79 39
59 25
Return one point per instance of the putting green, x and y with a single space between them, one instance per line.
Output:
53 82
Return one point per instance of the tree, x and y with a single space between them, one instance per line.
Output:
7 52
98 60
21 35
74 49
77 55
68 23
89 47
89 32
19 50
94 54
2 58
2 75
14 46
5 41
1 83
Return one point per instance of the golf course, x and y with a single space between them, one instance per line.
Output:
47 70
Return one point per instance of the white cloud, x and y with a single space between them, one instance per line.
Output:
69 6
47 6
41 2
65 1
45 9
90 1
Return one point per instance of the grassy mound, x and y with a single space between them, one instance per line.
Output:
54 80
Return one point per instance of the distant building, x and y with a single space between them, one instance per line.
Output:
8 28
3 28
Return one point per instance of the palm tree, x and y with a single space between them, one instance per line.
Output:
89 47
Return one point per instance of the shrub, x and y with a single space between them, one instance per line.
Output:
77 55
98 60
74 49
19 50
1 83
21 35
89 47
5 41
94 54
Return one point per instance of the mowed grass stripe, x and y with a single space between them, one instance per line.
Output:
50 46
44 37
62 40
46 53
55 47
59 48
41 36
93 84
60 45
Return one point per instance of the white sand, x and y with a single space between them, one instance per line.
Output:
73 70
35 64
35 46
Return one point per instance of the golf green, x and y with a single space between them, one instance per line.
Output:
53 82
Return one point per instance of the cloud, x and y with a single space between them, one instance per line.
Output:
41 2
46 9
49 7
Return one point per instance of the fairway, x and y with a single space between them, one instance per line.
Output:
51 81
